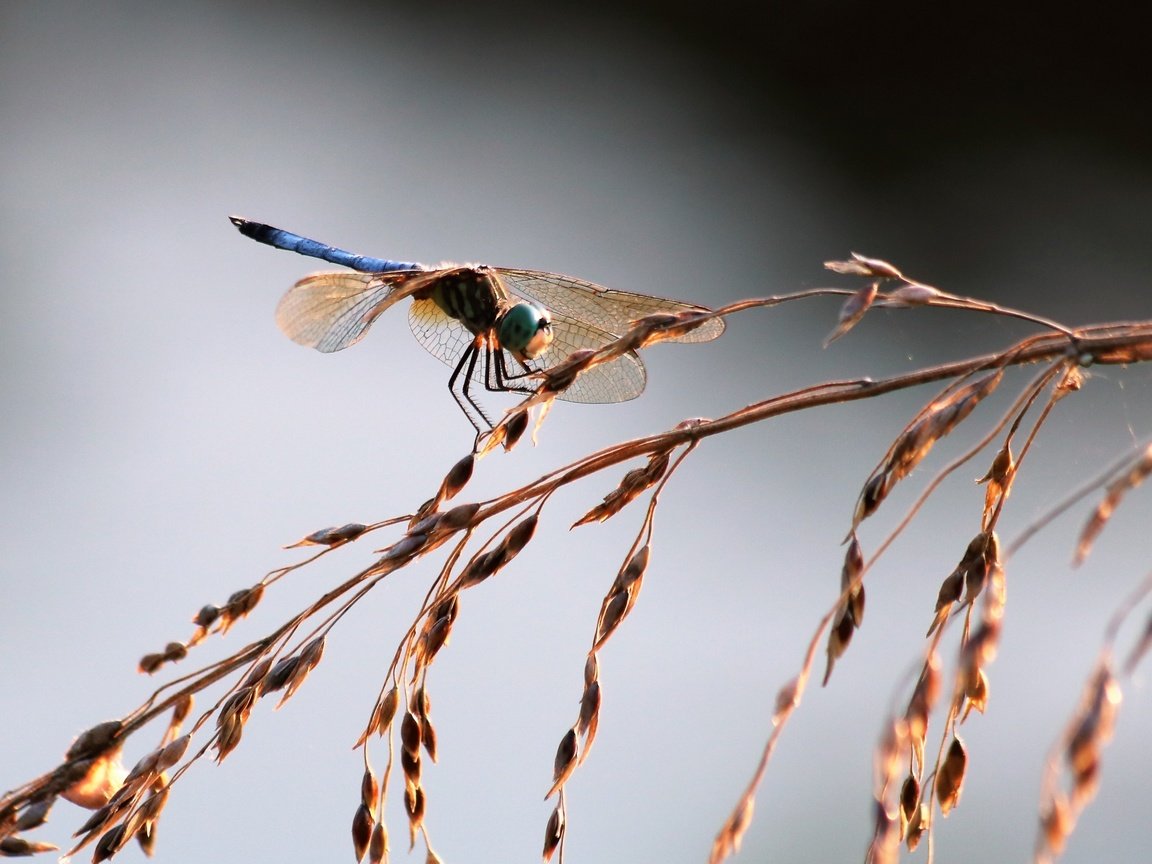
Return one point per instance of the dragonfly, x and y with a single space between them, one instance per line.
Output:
495 326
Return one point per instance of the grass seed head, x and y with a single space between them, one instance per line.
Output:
362 825
458 517
18 847
517 538
411 764
34 815
950 776
565 761
553 832
369 790
410 733
920 822
615 608
378 844
110 842
456 478
591 668
279 675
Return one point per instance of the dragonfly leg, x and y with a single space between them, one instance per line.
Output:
463 398
497 377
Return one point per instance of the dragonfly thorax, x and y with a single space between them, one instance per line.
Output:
471 296
525 331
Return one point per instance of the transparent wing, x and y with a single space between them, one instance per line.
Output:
622 379
330 311
607 309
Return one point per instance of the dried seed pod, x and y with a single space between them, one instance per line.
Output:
1113 495
458 517
517 538
998 480
1092 731
614 610
515 426
227 735
560 377
554 832
206 616
110 842
862 266
457 477
94 741
433 639
633 571
428 738
146 838
589 708
244 601
850 579
410 733
920 822
909 801
591 668
150 663
34 815
838 638
402 550
1055 825
912 294
975 693
331 536
378 844
180 711
480 568
728 839
362 825
420 703
17 847
950 776
871 497
414 804
382 713
154 804
565 761
280 674
100 817
369 790
258 672
852 311
146 765
388 706
411 765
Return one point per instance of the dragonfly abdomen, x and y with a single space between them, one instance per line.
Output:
286 240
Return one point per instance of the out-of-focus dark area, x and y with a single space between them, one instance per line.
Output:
161 440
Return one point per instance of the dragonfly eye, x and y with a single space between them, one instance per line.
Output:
525 331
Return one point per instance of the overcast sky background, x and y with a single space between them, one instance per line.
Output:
161 440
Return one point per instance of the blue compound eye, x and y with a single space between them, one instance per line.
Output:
525 331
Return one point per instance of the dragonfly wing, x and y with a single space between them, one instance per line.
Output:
443 337
330 311
617 381
610 310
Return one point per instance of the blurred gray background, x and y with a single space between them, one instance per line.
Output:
161 440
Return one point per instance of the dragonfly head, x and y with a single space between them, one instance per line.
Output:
525 331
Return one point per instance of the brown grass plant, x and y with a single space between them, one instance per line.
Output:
921 759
